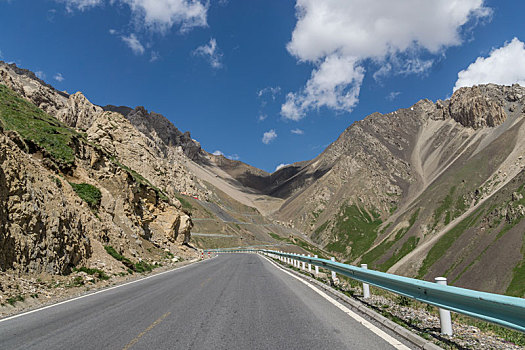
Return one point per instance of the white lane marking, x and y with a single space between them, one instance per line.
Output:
389 339
97 292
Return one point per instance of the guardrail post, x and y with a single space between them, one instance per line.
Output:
366 286
316 268
304 264
334 276
309 265
444 315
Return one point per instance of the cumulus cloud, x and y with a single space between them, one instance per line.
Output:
59 77
162 15
337 37
269 136
504 65
211 52
40 75
297 131
280 166
262 117
156 15
133 43
334 84
218 153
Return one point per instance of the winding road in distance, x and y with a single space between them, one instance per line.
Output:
234 301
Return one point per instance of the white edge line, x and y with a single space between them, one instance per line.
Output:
97 292
389 339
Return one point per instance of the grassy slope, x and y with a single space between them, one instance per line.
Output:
354 227
36 126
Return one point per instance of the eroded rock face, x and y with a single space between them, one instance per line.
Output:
480 106
472 107
155 126
43 226
78 112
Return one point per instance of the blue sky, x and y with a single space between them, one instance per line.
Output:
268 82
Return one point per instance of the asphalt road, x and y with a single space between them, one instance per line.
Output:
235 301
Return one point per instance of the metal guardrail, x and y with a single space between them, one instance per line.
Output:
500 309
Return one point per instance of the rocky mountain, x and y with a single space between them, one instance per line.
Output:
433 189
82 185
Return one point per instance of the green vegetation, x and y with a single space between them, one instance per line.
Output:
409 245
143 266
141 179
89 193
276 236
95 272
517 285
446 241
320 229
185 203
384 246
111 251
510 335
12 301
36 126
354 227
139 267
444 207
301 243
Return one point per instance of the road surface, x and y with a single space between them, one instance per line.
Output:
234 301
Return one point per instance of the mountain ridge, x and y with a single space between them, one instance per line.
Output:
401 191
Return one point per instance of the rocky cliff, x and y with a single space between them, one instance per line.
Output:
67 187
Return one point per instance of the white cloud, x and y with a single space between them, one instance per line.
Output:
273 92
297 131
269 136
113 31
40 75
156 15
81 5
211 52
262 117
161 15
59 77
333 35
504 66
334 84
393 95
133 43
280 166
234 156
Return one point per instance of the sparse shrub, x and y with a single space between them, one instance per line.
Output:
12 301
403 301
89 193
95 272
